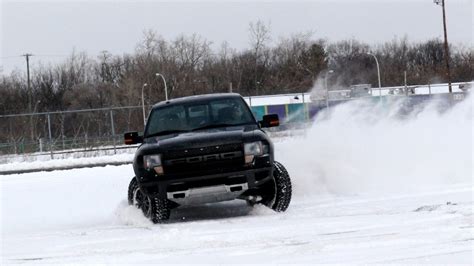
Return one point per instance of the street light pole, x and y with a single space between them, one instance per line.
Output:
446 46
143 104
378 73
330 71
164 81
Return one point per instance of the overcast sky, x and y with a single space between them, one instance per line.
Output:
52 29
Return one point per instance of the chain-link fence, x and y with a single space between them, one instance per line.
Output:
63 132
68 130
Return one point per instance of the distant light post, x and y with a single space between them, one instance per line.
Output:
330 71
35 109
143 103
446 46
164 81
378 73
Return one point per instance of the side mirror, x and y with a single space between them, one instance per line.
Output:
132 138
270 121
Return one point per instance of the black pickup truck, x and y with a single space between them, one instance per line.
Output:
204 149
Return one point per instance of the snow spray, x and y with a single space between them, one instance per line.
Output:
372 147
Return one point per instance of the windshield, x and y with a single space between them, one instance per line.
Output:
198 115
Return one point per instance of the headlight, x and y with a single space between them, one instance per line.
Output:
251 150
153 162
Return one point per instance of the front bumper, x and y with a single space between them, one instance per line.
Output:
206 188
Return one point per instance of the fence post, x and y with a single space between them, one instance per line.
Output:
50 136
305 113
62 131
113 129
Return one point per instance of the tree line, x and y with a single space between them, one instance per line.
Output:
192 65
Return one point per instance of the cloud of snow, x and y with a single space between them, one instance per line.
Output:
366 146
130 215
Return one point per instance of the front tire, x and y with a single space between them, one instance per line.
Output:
278 191
155 209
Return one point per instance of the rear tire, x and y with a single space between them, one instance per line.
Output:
278 191
155 209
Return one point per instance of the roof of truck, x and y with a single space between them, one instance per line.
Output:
195 98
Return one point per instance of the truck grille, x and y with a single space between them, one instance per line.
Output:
204 160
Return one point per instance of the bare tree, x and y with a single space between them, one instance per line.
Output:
190 53
191 67
260 35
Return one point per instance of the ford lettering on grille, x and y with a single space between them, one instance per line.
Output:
206 158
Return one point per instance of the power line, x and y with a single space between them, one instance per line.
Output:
11 56
37 55
52 55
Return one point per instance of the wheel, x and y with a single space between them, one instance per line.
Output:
155 209
277 193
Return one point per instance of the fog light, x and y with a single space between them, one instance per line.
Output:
249 159
158 170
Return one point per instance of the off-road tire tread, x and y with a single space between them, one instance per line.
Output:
283 188
160 208
131 187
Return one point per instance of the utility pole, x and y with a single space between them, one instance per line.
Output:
446 46
27 56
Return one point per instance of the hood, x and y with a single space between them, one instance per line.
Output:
201 138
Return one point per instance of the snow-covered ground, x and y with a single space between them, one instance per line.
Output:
81 216
369 187
49 164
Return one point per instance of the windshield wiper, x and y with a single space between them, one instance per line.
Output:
166 132
218 126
